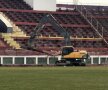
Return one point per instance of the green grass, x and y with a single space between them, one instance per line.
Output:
53 78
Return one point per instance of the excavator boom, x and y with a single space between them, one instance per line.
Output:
48 19
69 56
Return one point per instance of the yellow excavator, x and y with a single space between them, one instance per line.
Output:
69 55
72 57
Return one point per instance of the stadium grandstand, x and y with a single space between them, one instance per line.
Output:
87 25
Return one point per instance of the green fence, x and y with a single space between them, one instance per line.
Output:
52 60
30 60
7 60
19 60
45 60
0 60
42 60
95 60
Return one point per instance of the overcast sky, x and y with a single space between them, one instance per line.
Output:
61 1
91 2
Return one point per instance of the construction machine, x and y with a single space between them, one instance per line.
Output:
72 57
68 53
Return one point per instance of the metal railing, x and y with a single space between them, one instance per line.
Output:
95 24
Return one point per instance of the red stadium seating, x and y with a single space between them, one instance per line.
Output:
27 19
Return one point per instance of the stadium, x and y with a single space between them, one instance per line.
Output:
85 22
53 45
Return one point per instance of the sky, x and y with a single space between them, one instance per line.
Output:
62 1
88 2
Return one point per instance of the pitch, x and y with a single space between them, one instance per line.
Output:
53 78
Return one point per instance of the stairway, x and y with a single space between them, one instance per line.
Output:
99 29
10 41
9 37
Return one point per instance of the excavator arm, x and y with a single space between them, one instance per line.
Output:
68 53
47 19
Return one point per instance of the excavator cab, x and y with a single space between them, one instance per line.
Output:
67 50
